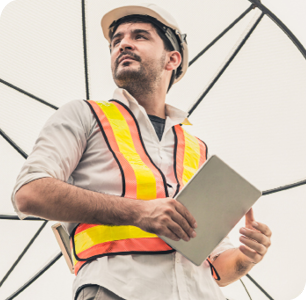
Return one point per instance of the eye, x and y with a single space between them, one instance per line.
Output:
139 36
115 42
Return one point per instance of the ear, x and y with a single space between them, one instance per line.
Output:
174 60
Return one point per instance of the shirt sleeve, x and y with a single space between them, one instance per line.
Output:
223 246
59 146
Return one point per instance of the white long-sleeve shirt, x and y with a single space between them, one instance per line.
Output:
71 148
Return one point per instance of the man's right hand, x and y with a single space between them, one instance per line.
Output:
167 217
53 199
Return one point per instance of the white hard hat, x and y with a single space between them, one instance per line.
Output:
160 18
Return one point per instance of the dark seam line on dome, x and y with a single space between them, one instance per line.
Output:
28 94
252 279
283 188
245 289
23 253
13 144
85 49
281 25
16 218
195 105
36 276
221 35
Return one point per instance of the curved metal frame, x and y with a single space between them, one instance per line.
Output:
281 25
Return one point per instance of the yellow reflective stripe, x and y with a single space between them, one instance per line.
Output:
103 233
191 156
146 183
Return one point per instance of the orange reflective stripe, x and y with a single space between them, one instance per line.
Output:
124 247
105 233
145 180
142 179
127 245
179 154
161 189
190 154
78 266
129 185
203 150
82 227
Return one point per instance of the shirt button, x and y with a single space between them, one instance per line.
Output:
177 260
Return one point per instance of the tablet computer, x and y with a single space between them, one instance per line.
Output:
218 197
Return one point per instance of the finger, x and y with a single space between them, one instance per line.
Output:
262 228
256 236
259 248
249 217
186 214
253 256
182 222
178 231
165 231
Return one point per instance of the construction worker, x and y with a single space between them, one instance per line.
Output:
95 164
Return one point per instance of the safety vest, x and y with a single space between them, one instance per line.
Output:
141 179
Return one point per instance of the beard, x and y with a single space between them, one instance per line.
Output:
141 80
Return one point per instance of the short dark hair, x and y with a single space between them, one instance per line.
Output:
142 19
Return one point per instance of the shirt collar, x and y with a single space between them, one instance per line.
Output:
175 114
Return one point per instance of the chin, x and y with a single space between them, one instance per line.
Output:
127 74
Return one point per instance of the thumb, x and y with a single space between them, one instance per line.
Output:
249 218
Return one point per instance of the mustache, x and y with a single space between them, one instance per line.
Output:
133 55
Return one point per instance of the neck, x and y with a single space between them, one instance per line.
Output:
152 98
154 104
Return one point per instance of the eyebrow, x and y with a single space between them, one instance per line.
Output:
135 31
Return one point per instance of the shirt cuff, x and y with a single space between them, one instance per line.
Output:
223 246
18 185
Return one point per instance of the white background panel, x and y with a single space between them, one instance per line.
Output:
202 72
42 49
14 239
42 251
22 117
10 162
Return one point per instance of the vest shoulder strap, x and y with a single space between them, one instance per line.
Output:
190 153
141 178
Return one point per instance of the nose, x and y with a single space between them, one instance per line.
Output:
126 44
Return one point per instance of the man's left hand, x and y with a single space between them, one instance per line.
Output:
256 239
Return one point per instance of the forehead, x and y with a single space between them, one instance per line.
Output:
127 27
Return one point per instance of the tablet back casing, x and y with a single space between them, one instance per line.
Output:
218 197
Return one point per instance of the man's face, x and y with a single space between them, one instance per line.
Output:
137 54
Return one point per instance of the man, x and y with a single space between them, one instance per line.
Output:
94 164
